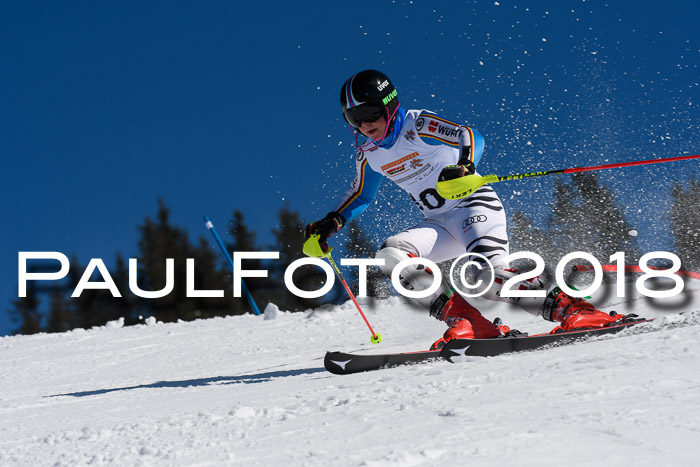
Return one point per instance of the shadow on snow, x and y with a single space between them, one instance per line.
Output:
244 379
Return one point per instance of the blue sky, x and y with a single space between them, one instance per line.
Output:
216 106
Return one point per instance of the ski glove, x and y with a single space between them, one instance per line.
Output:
462 169
325 228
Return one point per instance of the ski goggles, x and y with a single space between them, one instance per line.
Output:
363 113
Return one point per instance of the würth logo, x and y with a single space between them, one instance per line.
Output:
432 126
449 131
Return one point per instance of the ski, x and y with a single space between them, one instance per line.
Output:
524 342
341 363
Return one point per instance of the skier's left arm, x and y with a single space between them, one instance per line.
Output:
471 146
469 142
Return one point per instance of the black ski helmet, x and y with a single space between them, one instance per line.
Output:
367 96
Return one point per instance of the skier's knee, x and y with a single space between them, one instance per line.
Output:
414 277
400 243
391 256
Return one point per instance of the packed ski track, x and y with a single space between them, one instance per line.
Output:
252 391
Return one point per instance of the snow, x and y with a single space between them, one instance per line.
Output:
252 391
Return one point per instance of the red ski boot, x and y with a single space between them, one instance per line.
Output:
464 321
574 313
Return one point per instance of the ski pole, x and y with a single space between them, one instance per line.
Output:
312 248
464 186
247 293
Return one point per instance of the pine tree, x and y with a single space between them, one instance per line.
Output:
80 307
25 312
605 219
567 223
61 315
159 241
289 236
213 274
523 235
685 223
244 239
94 307
585 217
127 306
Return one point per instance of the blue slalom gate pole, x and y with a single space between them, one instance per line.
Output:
247 293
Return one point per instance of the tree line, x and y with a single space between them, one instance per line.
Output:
49 308
585 216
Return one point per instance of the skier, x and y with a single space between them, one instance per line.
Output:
416 149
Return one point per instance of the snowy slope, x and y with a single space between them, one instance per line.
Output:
249 391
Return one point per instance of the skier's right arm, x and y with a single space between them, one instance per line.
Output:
362 191
351 204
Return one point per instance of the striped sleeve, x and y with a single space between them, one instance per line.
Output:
472 144
435 130
361 193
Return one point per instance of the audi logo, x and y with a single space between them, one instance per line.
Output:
473 220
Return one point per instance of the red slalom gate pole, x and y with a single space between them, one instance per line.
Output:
627 164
